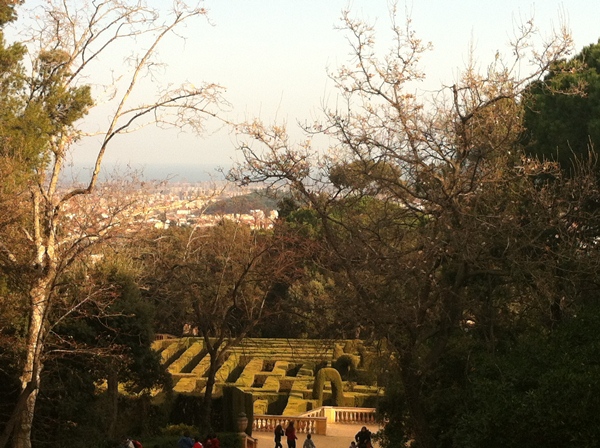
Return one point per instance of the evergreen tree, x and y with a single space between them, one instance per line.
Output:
562 112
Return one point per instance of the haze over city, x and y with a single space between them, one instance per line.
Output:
272 57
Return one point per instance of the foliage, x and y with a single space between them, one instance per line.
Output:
172 433
111 333
432 216
67 413
561 113
224 281
428 226
45 229
392 409
116 327
539 392
346 366
216 278
8 11
333 376
9 374
242 204
231 440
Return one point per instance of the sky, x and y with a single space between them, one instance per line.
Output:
272 56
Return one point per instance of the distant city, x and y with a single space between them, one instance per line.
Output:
169 195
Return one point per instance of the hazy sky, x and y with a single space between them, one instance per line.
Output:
273 56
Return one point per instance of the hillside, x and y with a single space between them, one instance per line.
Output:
257 200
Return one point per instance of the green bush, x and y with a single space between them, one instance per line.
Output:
542 392
177 430
346 364
160 442
230 440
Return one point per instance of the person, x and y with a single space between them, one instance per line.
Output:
352 444
363 438
308 443
197 443
212 441
279 433
185 441
290 434
128 442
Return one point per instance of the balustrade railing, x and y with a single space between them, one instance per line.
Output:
315 421
349 415
303 425
319 412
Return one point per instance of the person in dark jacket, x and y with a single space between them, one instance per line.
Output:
363 438
279 433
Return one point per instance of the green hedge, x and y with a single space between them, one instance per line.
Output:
246 379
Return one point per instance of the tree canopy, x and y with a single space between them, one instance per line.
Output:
561 111
451 239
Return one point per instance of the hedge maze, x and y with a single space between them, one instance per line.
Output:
284 376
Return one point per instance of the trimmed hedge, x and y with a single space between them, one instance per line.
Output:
337 388
186 358
246 379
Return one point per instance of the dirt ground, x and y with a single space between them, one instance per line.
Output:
338 436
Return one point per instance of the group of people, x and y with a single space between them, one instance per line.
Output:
186 441
362 439
290 435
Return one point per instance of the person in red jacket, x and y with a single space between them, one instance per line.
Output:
290 434
212 441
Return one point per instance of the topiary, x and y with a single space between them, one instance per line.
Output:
332 375
346 364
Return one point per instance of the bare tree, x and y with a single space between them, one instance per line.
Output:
70 41
413 189
223 281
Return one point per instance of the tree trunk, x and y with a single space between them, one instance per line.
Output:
113 400
39 297
10 425
206 411
22 430
412 391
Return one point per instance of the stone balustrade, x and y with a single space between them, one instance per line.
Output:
349 415
319 412
343 415
303 425
315 421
